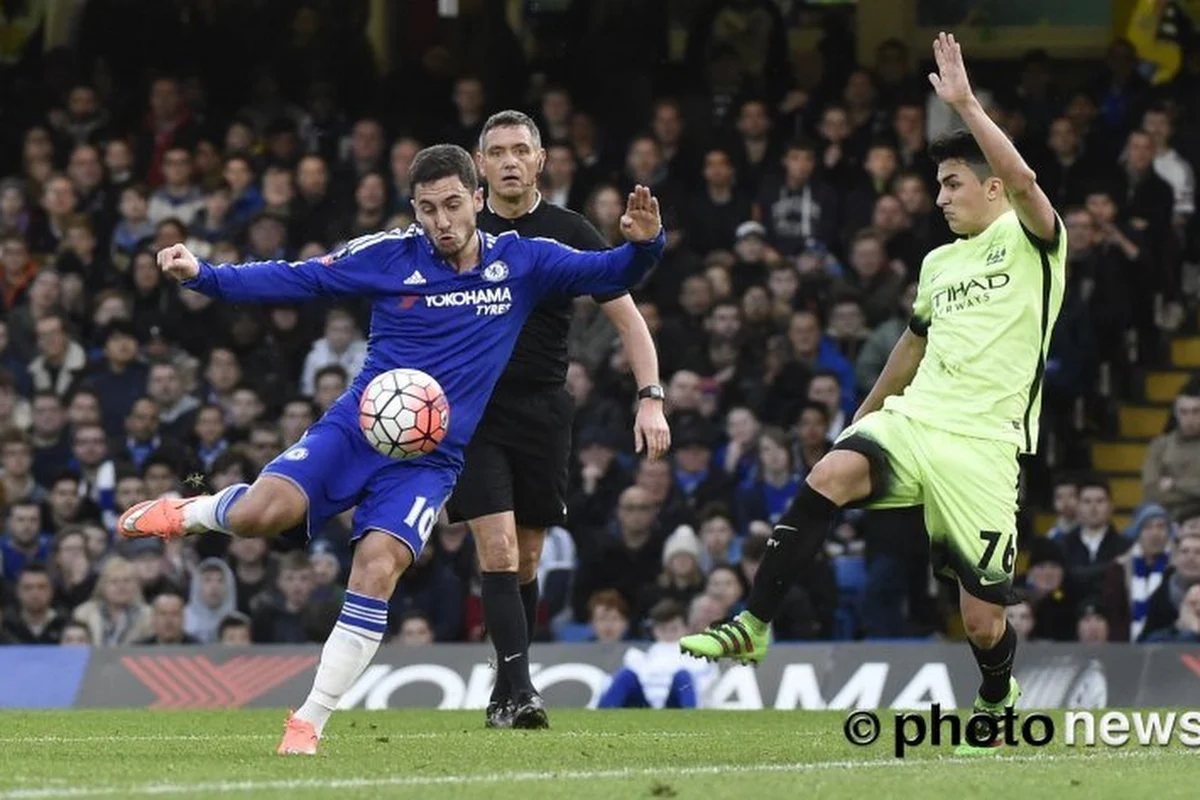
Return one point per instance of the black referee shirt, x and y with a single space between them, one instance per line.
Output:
540 355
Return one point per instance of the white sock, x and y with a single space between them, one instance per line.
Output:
347 653
210 512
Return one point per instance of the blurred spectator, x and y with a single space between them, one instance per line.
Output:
117 614
768 495
627 559
698 479
1021 619
71 568
342 345
1045 584
798 209
76 634
1092 625
34 620
1187 625
681 578
286 616
608 616
178 197
1094 543
167 621
61 361
234 630
23 542
1066 506
1163 605
415 630
1171 474
726 587
660 676
1135 575
213 597
433 587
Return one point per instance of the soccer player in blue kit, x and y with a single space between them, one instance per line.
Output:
450 301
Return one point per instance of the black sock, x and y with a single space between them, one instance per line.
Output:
505 619
795 541
529 599
995 665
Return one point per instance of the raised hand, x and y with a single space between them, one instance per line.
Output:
178 262
641 221
950 81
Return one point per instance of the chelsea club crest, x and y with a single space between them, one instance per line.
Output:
495 272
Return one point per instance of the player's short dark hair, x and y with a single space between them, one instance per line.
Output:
510 118
960 146
1066 479
443 161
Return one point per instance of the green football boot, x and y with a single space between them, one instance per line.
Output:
743 639
965 748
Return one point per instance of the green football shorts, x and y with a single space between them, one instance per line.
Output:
968 487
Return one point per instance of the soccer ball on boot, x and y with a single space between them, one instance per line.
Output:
404 413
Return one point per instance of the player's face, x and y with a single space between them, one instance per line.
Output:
446 209
964 199
511 161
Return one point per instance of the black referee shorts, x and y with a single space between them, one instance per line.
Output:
517 459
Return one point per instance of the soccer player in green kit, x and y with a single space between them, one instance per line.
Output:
958 401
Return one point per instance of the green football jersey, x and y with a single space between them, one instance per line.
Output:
987 305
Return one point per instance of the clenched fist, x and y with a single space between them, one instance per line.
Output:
178 262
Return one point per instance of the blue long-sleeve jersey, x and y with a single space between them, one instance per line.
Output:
459 328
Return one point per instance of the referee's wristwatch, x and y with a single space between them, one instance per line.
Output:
652 392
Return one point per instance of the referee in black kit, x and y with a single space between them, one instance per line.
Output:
514 481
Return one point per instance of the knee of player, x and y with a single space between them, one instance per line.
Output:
498 550
842 476
984 626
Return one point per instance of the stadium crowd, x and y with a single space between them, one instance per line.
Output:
799 202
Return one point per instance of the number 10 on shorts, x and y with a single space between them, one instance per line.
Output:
993 540
422 516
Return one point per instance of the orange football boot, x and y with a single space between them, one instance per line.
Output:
162 518
299 738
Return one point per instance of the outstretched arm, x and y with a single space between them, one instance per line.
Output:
352 272
566 271
1020 182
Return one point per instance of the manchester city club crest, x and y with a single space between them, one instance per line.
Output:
495 272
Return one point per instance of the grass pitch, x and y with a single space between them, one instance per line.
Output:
588 754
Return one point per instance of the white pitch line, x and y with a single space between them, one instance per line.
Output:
231 787
363 734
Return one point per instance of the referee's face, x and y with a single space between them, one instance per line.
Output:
511 161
